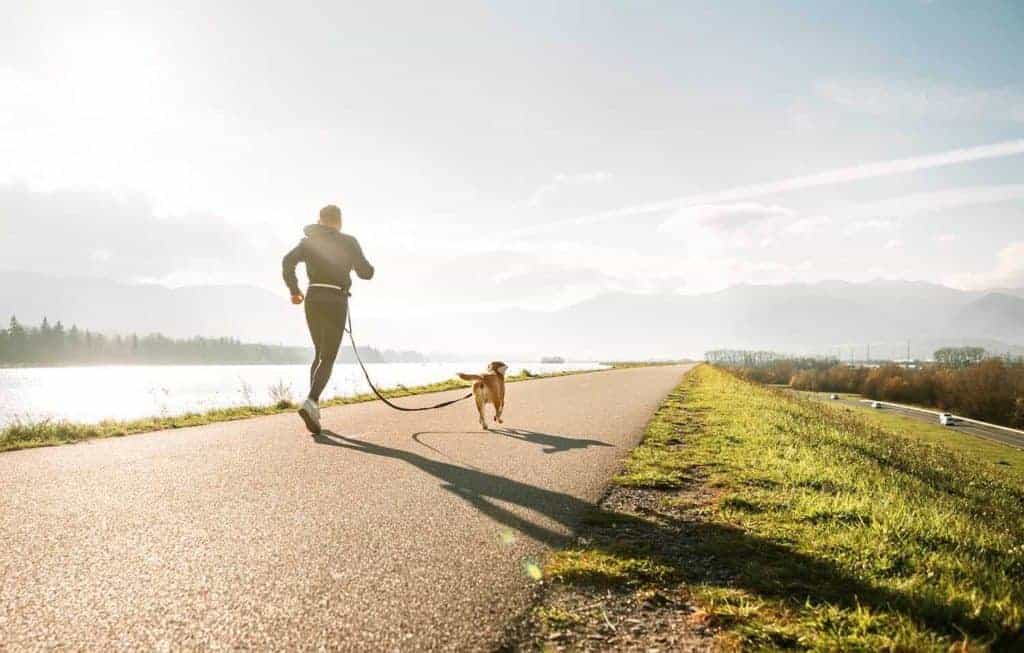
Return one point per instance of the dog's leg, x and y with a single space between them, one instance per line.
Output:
499 404
479 396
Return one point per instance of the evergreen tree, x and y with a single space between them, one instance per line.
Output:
18 341
54 345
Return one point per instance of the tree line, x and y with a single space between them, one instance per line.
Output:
963 380
991 390
766 366
54 344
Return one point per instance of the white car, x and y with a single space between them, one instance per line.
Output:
834 397
876 404
947 419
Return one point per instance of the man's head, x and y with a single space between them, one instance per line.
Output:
330 216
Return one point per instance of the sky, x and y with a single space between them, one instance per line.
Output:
516 154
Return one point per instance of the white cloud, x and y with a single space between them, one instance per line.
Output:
583 178
831 177
730 217
808 225
562 181
870 226
894 243
1007 273
905 206
947 238
81 233
923 99
722 228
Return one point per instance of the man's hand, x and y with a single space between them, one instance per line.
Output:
297 298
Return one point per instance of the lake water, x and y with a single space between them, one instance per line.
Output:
89 394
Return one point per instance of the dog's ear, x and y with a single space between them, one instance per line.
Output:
499 367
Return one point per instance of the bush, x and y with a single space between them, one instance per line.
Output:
281 395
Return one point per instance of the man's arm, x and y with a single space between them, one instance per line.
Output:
362 267
292 259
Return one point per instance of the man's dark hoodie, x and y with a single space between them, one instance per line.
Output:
329 256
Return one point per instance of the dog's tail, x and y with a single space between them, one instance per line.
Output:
470 377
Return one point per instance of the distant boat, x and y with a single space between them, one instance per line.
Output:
554 360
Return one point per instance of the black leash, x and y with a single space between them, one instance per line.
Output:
377 392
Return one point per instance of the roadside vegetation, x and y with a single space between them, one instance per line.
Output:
752 519
962 380
990 390
26 434
766 366
1008 458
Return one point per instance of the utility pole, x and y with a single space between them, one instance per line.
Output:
869 353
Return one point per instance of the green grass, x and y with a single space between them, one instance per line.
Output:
1009 458
598 567
24 435
555 617
794 524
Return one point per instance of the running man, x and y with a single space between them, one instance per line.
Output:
329 256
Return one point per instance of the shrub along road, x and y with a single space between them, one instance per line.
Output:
390 530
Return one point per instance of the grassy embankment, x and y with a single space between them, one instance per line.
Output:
1006 456
27 434
787 523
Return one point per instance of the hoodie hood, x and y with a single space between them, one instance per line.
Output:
317 230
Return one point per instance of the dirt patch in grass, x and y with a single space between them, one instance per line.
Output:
619 587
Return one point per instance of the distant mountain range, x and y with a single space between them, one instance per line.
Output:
825 317
248 313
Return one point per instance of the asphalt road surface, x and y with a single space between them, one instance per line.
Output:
390 531
977 430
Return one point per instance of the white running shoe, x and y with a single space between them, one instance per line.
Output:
310 414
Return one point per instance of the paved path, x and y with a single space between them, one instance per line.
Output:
393 531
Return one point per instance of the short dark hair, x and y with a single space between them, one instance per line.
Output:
331 213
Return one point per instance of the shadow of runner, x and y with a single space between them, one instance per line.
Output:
418 439
479 488
685 548
551 443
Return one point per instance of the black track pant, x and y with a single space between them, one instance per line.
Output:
326 322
